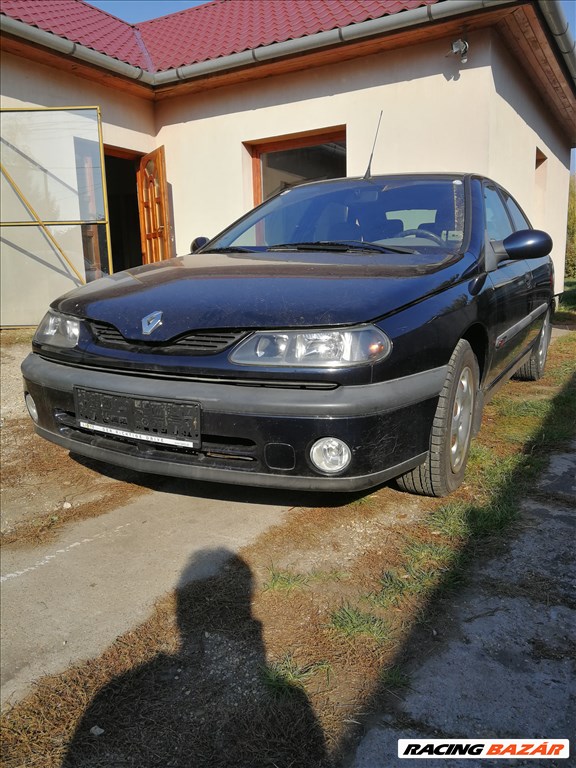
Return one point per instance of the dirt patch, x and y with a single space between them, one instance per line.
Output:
42 486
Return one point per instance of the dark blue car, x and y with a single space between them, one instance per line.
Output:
343 333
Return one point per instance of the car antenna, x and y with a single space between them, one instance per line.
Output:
369 169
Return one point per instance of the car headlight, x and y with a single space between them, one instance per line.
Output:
58 330
318 348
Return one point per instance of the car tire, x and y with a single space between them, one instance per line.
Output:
534 368
452 429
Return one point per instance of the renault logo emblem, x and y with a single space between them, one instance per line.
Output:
151 322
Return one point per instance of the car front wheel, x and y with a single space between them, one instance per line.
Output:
451 433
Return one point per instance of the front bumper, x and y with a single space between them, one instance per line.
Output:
251 435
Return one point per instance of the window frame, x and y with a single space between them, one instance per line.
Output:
284 143
495 188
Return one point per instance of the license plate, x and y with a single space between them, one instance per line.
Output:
169 422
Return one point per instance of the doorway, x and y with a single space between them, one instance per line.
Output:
123 209
138 209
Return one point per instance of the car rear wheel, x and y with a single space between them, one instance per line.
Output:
534 368
451 433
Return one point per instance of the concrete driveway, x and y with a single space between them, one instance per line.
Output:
67 601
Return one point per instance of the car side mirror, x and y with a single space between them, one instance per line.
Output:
524 244
197 243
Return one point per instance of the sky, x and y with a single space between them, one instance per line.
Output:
134 11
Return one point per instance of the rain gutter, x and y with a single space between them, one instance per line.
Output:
550 9
558 26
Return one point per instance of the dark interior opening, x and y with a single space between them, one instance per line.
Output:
123 212
283 168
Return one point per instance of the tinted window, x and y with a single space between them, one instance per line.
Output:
415 213
520 221
498 224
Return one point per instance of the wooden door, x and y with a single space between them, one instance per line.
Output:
153 207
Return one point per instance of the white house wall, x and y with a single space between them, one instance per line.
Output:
33 276
520 125
438 115
127 121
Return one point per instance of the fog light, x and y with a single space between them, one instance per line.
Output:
32 410
330 455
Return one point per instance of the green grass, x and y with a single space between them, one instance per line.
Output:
460 521
392 590
491 472
393 678
285 580
518 409
333 575
566 312
421 581
426 554
285 676
351 622
425 568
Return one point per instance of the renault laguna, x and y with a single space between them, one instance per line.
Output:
341 334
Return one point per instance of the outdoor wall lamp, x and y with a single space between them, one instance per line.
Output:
460 48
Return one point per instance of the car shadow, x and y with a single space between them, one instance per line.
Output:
222 491
210 702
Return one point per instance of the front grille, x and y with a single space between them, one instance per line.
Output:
139 369
194 343
107 334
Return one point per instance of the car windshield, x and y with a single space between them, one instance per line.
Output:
400 215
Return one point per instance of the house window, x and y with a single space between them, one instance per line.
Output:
283 161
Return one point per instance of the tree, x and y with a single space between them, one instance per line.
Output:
571 238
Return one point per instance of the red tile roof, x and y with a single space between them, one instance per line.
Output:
223 27
81 23
218 28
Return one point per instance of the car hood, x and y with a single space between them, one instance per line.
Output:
260 290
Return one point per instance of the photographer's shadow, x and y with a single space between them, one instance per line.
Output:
208 705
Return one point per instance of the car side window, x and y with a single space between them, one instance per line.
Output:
498 224
520 221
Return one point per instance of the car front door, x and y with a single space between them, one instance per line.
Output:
512 289
539 296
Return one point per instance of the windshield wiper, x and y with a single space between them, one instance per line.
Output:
232 249
341 246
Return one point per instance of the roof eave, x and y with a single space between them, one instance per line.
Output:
352 32
158 83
